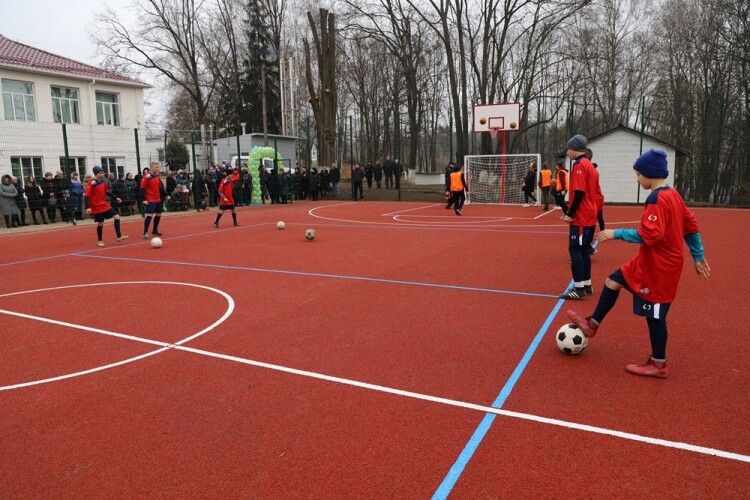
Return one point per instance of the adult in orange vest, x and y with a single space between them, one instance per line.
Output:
545 183
561 186
458 188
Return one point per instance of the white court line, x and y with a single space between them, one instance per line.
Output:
164 346
418 225
459 219
410 209
420 396
544 213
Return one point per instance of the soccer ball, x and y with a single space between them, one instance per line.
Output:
280 224
156 242
570 339
310 234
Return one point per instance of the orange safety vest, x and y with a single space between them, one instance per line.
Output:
562 180
456 183
545 177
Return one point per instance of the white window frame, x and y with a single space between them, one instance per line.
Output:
17 167
78 163
110 111
24 98
74 105
113 165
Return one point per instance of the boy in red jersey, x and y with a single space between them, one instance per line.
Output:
581 216
153 194
653 275
98 206
226 196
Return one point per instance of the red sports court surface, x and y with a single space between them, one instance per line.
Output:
250 362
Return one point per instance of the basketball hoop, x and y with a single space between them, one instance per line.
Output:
494 131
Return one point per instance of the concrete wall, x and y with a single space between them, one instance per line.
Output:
44 137
615 154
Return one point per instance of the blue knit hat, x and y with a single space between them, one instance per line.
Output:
577 142
652 164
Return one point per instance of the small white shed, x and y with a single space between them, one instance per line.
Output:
615 151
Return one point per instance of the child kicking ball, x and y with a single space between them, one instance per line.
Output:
651 276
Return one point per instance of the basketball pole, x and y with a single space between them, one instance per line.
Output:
503 150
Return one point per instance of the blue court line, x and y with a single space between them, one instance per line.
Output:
484 426
322 275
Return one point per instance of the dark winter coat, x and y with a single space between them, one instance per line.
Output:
335 175
20 198
529 181
34 195
357 175
377 171
369 171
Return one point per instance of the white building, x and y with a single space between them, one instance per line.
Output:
616 150
41 91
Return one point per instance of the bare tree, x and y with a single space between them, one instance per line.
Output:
167 42
323 99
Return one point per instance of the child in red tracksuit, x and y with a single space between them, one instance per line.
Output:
226 196
653 275
96 197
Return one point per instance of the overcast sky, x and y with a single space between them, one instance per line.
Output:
63 27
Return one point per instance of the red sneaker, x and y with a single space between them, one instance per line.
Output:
649 369
587 326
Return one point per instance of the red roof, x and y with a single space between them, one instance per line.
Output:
22 56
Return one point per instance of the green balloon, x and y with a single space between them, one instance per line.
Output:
254 161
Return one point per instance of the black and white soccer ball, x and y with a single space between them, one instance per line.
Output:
310 234
570 339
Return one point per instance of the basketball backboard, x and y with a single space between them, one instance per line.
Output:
496 116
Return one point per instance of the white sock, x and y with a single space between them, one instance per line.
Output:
587 283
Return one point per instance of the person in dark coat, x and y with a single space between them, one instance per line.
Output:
388 172
335 179
62 192
368 174
285 183
119 190
48 195
397 172
357 176
171 183
314 183
20 200
247 186
325 182
273 186
529 184
36 203
377 172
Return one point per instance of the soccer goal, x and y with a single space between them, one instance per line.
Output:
498 179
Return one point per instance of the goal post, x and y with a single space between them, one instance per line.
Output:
498 179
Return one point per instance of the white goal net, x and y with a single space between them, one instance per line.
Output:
499 178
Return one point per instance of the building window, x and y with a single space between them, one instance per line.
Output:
75 164
107 109
65 105
18 100
23 166
113 165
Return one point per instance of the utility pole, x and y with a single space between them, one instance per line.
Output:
265 105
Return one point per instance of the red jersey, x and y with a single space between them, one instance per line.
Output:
226 186
655 272
96 192
584 177
152 188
